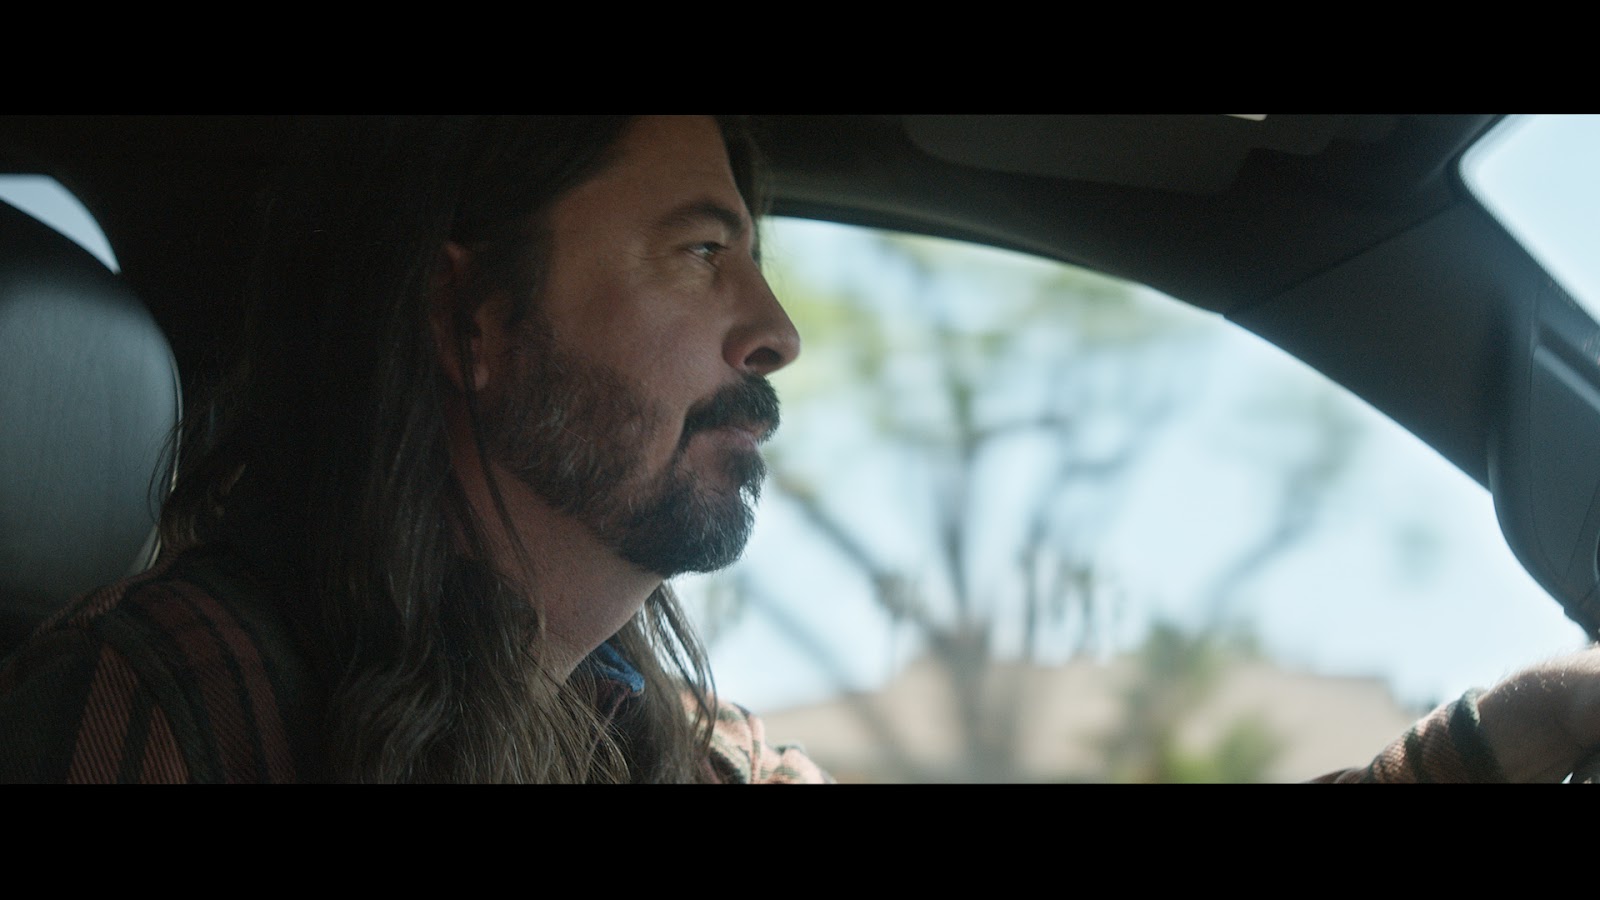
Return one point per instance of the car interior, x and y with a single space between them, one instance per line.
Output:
1349 241
91 397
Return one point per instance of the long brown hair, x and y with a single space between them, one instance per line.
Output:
323 460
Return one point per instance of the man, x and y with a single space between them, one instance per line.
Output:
492 400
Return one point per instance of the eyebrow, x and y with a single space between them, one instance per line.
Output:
703 210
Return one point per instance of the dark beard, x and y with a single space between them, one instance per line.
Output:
569 431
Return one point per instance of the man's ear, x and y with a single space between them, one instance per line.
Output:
460 314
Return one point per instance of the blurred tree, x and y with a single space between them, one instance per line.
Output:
1176 672
1306 469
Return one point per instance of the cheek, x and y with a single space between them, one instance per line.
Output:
662 342
672 359
619 325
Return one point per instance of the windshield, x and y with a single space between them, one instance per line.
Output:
1536 174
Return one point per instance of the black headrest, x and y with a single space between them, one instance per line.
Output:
88 401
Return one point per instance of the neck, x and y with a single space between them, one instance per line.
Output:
583 591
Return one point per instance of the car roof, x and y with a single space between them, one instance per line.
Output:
1164 200
1157 198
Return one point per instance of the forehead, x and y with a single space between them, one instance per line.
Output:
661 163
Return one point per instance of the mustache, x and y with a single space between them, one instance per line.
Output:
751 401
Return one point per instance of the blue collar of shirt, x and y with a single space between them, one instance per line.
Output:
607 664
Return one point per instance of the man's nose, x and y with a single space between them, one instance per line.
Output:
765 340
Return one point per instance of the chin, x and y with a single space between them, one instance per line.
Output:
691 527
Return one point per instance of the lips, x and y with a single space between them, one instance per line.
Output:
749 406
748 435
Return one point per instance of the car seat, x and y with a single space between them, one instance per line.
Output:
89 400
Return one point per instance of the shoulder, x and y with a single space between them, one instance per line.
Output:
741 754
179 674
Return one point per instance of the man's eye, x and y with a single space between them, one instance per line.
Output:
708 250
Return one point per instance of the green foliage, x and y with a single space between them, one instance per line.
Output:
1177 672
1242 756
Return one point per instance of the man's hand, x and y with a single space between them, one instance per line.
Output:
1543 721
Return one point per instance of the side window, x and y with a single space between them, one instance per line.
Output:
1028 523
46 200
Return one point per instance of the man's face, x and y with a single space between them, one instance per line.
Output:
635 397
